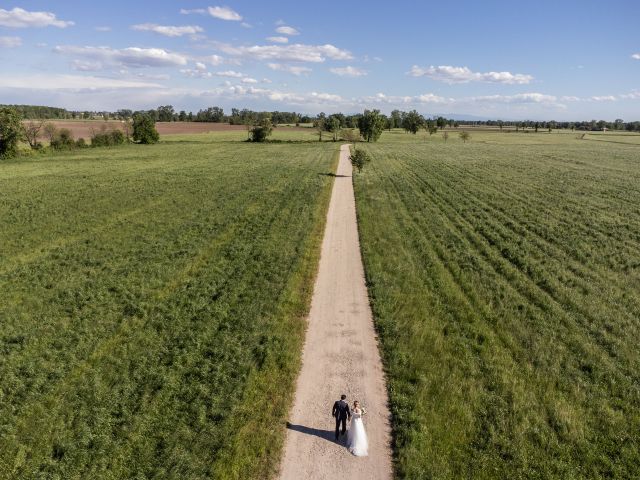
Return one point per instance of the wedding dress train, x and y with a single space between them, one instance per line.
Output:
357 437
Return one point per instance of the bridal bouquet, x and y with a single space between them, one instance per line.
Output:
363 411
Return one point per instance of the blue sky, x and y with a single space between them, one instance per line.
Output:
562 60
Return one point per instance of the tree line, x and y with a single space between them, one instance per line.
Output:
15 129
411 121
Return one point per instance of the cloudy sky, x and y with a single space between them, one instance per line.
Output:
547 60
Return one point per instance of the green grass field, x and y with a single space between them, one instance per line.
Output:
505 276
150 306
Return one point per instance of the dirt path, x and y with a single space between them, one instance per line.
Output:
340 356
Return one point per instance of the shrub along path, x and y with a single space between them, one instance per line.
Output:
340 356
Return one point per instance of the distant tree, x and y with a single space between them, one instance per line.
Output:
396 119
350 135
537 126
334 127
32 131
464 136
371 125
413 122
445 135
127 129
262 128
430 126
144 129
11 132
441 122
500 124
320 124
50 131
165 113
358 159
552 125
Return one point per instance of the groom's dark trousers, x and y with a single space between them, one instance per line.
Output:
341 412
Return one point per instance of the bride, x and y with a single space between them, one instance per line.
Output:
357 437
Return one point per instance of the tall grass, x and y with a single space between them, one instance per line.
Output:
504 278
151 304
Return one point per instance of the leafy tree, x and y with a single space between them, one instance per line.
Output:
32 132
165 113
144 129
430 126
396 119
371 125
50 131
10 132
262 128
334 127
319 124
413 122
350 135
464 136
358 159
441 122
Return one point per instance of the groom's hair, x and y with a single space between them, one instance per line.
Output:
342 397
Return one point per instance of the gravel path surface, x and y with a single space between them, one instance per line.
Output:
340 356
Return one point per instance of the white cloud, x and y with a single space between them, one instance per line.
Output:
246 25
224 13
278 39
636 56
348 71
633 95
168 30
86 66
69 82
230 74
286 30
10 42
214 60
249 80
518 99
185 11
20 18
296 52
131 57
382 99
200 66
603 98
294 70
450 74
102 29
196 73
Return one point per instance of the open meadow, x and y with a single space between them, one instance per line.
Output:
151 305
504 276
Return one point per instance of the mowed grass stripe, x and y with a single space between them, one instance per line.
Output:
220 295
490 374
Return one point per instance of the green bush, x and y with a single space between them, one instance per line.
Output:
81 143
144 129
11 132
358 159
63 140
107 139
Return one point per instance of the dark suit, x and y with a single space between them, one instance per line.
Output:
341 413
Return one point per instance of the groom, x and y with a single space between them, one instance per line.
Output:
341 413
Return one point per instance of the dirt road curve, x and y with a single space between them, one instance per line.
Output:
340 356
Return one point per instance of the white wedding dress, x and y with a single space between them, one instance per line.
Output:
357 437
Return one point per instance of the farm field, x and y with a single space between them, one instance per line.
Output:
504 276
84 128
150 306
